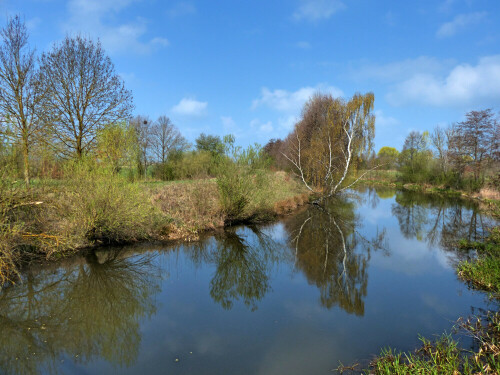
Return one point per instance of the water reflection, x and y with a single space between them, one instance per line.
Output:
438 221
87 311
91 311
242 269
332 254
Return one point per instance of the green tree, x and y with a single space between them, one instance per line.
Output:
211 143
415 158
387 157
117 145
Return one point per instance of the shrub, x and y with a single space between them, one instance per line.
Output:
99 205
185 165
10 233
241 174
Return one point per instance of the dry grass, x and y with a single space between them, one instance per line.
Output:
192 208
489 193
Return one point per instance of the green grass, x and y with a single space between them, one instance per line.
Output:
440 357
444 356
484 271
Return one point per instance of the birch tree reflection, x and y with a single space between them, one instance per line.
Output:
88 311
332 254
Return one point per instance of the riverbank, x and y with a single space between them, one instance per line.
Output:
445 356
488 198
56 218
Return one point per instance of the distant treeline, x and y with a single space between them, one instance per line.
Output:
464 155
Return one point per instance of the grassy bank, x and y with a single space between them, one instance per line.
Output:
95 207
444 356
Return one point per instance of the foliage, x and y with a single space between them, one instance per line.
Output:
117 145
99 206
328 140
240 173
186 165
387 157
210 143
10 231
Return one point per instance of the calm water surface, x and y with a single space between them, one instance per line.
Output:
329 284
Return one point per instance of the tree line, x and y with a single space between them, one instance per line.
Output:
333 140
463 155
69 102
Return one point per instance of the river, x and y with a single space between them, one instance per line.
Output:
372 269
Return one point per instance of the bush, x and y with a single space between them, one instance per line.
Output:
100 206
186 165
241 174
10 232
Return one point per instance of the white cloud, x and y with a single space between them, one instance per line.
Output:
93 18
303 45
228 123
463 85
316 10
459 23
288 122
33 23
163 42
399 70
263 127
383 120
286 101
190 107
181 9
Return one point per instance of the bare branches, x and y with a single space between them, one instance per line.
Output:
85 93
296 161
20 94
165 138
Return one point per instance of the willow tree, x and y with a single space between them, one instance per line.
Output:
20 95
85 93
329 139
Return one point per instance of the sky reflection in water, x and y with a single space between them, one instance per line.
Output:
330 283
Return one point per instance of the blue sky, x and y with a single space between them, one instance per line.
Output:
247 67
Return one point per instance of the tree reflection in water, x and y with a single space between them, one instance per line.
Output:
243 258
439 221
88 311
332 254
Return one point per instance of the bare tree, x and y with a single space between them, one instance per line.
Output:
20 94
438 139
85 93
475 140
165 138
